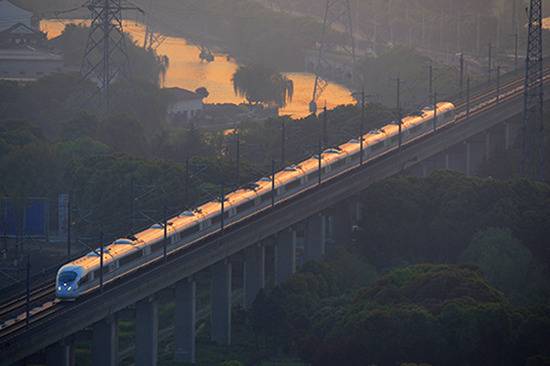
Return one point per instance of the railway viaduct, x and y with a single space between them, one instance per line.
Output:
326 208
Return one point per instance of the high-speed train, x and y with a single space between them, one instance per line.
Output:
124 255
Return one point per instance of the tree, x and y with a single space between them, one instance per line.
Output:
504 261
260 84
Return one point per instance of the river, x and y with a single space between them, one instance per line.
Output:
187 71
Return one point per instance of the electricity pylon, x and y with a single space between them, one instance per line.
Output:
533 122
151 40
105 57
338 14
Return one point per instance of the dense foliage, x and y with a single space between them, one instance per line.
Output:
51 142
439 216
260 84
489 307
434 314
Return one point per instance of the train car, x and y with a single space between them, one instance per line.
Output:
127 254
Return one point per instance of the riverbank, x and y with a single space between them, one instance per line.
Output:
187 71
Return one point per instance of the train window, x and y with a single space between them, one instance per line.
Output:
216 219
377 146
96 273
123 241
83 280
245 206
157 246
312 177
292 185
67 276
339 164
130 258
416 129
190 231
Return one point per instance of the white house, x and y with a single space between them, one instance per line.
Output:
23 55
184 105
11 15
28 64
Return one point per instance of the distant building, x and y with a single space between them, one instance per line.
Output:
12 15
184 105
20 35
23 52
28 64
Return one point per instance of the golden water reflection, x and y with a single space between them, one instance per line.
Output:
187 71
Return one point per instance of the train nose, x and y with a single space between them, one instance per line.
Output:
66 289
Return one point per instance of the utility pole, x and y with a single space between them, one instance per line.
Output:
325 126
498 84
238 153
222 198
461 80
132 203
319 163
165 238
516 49
272 183
362 126
458 32
533 116
516 33
186 188
28 292
423 36
398 106
283 139
101 260
490 63
468 97
478 34
69 219
430 81
435 111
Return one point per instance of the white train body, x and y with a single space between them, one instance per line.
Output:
124 255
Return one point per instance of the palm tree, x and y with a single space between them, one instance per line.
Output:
260 84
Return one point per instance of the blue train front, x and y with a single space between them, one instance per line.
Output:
68 282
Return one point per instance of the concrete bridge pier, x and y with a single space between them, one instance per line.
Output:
502 137
458 158
105 342
185 320
146 332
489 144
447 161
254 273
314 245
220 303
285 255
342 215
428 166
60 354
418 170
477 151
